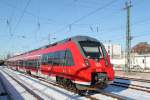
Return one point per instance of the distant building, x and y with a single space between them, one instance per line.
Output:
114 50
140 60
141 48
140 56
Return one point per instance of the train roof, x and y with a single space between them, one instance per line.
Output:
74 38
83 38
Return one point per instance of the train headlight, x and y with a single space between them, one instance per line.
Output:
87 63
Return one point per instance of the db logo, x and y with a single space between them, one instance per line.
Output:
98 64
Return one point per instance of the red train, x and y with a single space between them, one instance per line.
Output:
79 61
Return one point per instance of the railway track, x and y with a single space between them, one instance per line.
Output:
133 79
137 84
87 96
52 83
118 97
33 91
4 92
136 87
41 81
47 83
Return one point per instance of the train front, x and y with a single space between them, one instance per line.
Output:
98 70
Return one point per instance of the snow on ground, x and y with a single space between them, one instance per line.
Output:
59 93
56 92
53 91
62 94
137 75
2 90
16 91
103 97
133 82
130 94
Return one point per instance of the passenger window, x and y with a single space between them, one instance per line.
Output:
62 60
59 58
56 59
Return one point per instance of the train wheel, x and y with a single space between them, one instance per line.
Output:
65 82
69 84
61 81
57 79
28 72
104 85
73 87
16 68
82 92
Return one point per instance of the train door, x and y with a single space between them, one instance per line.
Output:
50 64
64 63
59 68
39 62
68 63
37 65
44 66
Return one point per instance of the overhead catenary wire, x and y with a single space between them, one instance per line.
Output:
87 15
9 27
121 27
70 25
38 22
141 35
112 29
19 9
27 12
133 37
20 18
76 20
8 21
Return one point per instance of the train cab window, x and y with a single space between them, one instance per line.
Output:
91 49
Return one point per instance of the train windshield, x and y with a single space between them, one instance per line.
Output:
92 50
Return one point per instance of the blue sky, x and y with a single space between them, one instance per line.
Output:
26 24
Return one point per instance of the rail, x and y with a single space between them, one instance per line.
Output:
41 80
25 87
6 91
